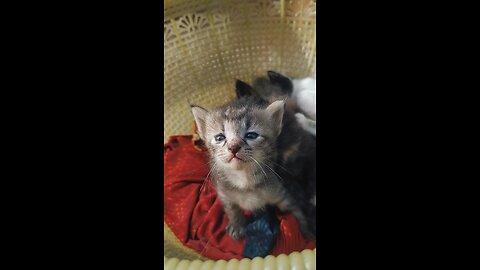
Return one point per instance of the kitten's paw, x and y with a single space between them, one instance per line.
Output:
236 231
307 124
309 232
308 228
313 200
310 236
300 117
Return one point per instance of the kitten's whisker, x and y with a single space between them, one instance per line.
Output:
280 166
206 178
252 167
266 179
205 247
260 167
280 178
193 170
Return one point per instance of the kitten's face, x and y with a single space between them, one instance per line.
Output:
240 136
236 138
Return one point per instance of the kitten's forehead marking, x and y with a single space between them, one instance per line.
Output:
232 129
236 119
235 112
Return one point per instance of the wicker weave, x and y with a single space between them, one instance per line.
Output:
210 43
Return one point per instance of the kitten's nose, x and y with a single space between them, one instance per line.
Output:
234 148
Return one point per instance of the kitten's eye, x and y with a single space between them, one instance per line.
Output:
251 135
219 138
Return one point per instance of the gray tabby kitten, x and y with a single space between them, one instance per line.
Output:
250 142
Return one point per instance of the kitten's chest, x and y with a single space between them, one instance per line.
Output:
251 200
246 194
240 179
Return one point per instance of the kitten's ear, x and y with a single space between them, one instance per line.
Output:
282 81
243 89
200 115
275 112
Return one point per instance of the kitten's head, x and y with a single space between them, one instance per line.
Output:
242 133
245 91
276 86
284 83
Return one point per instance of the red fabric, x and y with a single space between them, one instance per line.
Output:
195 215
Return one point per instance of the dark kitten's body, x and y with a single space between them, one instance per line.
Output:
298 147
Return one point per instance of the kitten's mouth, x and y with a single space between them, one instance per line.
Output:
235 158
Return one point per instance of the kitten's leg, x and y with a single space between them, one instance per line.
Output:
289 205
236 221
313 200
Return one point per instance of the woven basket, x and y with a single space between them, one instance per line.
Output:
207 45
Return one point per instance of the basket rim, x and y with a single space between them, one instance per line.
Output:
306 258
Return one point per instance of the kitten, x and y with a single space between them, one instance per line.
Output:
305 93
302 94
300 164
247 142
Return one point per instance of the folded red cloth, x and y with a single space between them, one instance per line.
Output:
195 215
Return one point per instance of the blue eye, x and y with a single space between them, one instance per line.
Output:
219 138
251 135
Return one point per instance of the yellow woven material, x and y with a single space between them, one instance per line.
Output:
174 248
210 43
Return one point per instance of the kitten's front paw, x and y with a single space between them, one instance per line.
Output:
309 232
300 117
236 231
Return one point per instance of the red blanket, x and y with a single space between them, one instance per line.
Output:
195 215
